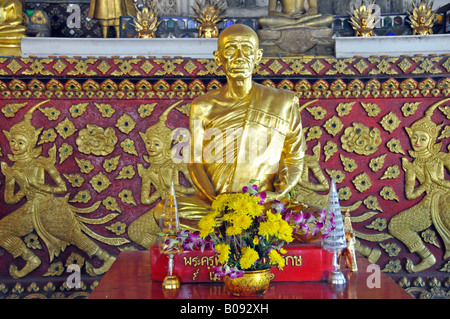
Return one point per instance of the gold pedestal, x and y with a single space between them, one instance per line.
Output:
10 49
171 282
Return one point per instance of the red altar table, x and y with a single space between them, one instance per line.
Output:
130 278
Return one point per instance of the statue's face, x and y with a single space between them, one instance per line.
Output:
420 141
238 53
19 144
154 145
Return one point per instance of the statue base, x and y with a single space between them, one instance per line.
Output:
304 40
10 50
304 262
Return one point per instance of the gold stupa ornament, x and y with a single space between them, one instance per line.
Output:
363 19
208 15
146 23
169 246
422 18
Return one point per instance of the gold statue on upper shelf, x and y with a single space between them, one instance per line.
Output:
208 15
160 175
294 15
12 29
364 19
425 175
295 30
422 17
53 218
108 13
146 23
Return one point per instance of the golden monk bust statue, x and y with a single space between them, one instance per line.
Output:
239 132
11 28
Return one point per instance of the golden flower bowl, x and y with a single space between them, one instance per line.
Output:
252 283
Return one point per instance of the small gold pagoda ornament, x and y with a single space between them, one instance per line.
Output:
422 17
348 253
364 19
208 15
170 225
146 23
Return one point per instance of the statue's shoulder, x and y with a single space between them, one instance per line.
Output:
271 91
205 102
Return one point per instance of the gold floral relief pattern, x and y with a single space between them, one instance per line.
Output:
356 132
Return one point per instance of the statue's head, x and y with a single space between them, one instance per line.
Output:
423 135
23 136
238 51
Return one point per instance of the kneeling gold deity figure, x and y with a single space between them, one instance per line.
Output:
239 132
50 216
425 175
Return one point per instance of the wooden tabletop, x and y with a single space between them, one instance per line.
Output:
130 278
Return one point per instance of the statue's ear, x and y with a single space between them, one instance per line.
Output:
259 55
217 58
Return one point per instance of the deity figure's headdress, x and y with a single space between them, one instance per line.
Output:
160 129
25 127
426 125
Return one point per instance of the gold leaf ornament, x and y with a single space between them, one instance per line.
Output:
128 146
362 182
390 122
117 228
372 109
127 172
387 192
344 193
314 133
10 109
66 128
317 112
110 203
336 174
391 172
100 182
146 110
65 150
377 163
333 125
371 202
111 164
51 113
76 180
378 223
83 196
105 109
77 110
48 136
126 196
330 149
125 123
348 163
394 145
85 165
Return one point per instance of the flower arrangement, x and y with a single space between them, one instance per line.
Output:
253 233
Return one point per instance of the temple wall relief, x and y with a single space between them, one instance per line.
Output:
91 172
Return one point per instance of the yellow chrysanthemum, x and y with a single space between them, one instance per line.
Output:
285 231
242 221
276 259
233 230
224 252
248 258
207 224
220 202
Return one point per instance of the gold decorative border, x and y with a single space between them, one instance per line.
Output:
304 66
183 89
